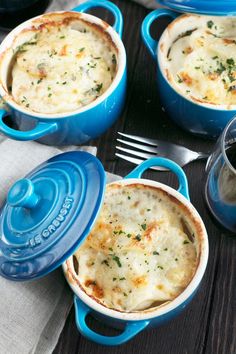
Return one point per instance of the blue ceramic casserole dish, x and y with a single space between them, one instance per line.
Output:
131 323
203 119
75 127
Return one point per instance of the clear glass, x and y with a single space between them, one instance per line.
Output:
220 187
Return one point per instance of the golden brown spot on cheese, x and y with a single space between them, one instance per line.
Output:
186 78
97 291
80 55
63 50
213 76
139 281
116 289
228 41
188 50
151 229
160 287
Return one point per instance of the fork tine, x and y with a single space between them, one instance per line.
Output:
138 162
140 138
135 152
139 146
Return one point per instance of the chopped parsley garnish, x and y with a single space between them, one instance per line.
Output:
64 83
128 235
210 24
155 253
110 249
148 209
50 94
99 87
197 67
176 259
123 278
232 88
105 261
129 197
117 260
144 226
215 57
114 61
61 37
221 68
81 49
97 58
165 249
179 79
185 242
230 61
40 80
138 237
160 267
114 279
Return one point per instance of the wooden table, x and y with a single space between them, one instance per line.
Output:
208 325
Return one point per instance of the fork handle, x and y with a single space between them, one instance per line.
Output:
170 165
202 155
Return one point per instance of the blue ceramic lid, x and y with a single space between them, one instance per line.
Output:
48 214
206 7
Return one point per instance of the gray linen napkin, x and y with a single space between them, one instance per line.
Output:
32 314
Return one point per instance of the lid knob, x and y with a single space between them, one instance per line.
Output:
22 194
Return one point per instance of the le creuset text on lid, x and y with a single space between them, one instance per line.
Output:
204 7
48 214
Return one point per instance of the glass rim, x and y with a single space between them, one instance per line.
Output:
232 121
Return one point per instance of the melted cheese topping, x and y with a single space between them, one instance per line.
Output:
141 252
62 67
202 60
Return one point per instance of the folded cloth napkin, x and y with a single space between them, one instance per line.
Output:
32 314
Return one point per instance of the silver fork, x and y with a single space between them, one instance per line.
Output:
152 147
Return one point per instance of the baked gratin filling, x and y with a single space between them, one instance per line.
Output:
65 64
142 252
202 59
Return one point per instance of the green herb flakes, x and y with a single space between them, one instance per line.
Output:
230 61
117 260
210 24
144 226
105 261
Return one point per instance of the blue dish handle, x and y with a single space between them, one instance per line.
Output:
169 164
118 24
82 310
151 43
37 132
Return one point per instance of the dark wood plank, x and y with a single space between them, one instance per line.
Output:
208 324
